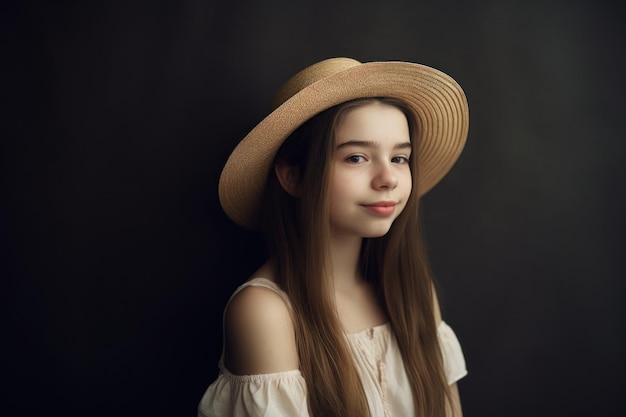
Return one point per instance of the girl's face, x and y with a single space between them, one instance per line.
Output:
371 180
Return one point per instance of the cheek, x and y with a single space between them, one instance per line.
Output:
342 184
407 180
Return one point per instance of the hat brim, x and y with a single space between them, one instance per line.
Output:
438 101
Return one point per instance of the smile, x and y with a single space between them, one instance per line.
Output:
382 208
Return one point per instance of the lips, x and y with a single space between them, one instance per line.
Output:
381 208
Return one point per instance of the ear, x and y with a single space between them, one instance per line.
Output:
288 177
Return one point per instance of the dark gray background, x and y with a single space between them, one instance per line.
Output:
117 259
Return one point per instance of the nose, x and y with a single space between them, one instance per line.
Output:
384 178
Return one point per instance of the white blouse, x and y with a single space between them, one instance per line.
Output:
376 357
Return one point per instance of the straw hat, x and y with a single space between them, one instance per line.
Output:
437 100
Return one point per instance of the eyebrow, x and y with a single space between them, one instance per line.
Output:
369 144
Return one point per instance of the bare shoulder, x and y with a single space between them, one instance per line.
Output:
260 337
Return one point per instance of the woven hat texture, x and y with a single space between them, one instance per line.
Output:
438 102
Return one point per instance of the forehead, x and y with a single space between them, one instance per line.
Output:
373 121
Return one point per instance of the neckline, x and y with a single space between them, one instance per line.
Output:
370 331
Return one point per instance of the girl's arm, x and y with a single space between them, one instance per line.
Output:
260 336
456 410
455 407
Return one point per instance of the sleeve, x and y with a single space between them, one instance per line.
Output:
453 359
277 394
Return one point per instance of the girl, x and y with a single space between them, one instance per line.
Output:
343 319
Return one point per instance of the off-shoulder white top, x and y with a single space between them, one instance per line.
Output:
377 359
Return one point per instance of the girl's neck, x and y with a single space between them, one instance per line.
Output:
344 262
357 306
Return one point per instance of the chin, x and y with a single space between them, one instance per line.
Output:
378 232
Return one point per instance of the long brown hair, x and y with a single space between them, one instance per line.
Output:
298 230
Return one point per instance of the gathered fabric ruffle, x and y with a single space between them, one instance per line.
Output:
276 394
376 357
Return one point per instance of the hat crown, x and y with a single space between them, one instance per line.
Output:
311 75
437 101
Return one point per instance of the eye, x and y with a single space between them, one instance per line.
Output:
400 160
355 159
